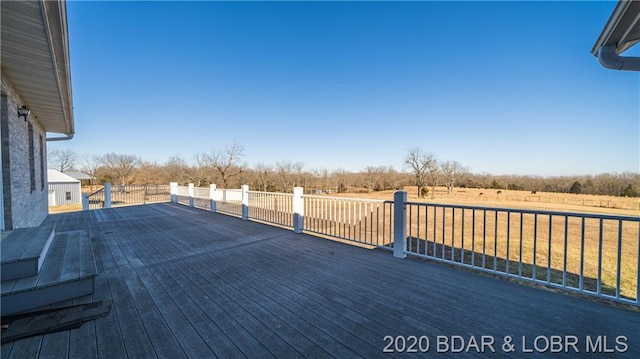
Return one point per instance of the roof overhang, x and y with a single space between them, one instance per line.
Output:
621 32
35 59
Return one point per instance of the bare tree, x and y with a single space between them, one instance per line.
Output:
340 178
119 167
90 165
423 166
452 172
227 162
289 174
200 172
263 175
176 169
62 160
371 177
149 173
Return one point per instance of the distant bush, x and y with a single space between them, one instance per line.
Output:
576 187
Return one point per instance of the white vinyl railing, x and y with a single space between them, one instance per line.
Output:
276 208
594 254
590 253
360 220
124 195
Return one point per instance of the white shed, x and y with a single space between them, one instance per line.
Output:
63 189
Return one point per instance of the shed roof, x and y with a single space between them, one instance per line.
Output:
78 175
55 176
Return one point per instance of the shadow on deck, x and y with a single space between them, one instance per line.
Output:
186 282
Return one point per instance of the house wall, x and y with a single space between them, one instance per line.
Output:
24 169
61 190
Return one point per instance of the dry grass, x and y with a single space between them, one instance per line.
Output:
65 208
582 203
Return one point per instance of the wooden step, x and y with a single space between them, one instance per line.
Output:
24 250
68 272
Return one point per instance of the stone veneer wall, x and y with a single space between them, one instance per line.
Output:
24 206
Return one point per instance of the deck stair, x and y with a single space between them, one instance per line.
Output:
40 267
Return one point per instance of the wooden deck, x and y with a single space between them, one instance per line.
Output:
189 283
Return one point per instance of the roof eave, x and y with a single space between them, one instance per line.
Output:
621 31
35 59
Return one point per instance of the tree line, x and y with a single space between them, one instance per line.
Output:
226 167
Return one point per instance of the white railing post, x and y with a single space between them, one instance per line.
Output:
174 191
107 195
212 197
85 201
191 195
298 210
399 224
245 202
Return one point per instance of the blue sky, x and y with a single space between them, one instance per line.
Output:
501 87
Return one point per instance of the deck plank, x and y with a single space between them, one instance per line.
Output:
50 268
184 326
82 341
26 348
87 259
229 340
5 350
256 340
322 303
134 335
70 263
162 339
302 334
196 283
109 340
55 345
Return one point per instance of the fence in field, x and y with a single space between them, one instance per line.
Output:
592 254
122 195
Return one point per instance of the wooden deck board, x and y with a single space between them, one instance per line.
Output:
109 342
85 336
181 325
192 283
160 335
255 338
217 320
55 345
70 263
310 329
134 335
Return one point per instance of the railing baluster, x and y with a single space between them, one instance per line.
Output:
535 246
484 237
618 269
600 239
566 240
473 238
495 241
464 219
520 249
443 231
508 241
549 250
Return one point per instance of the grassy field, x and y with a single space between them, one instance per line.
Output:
582 203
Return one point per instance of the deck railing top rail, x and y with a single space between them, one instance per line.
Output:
528 211
354 199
